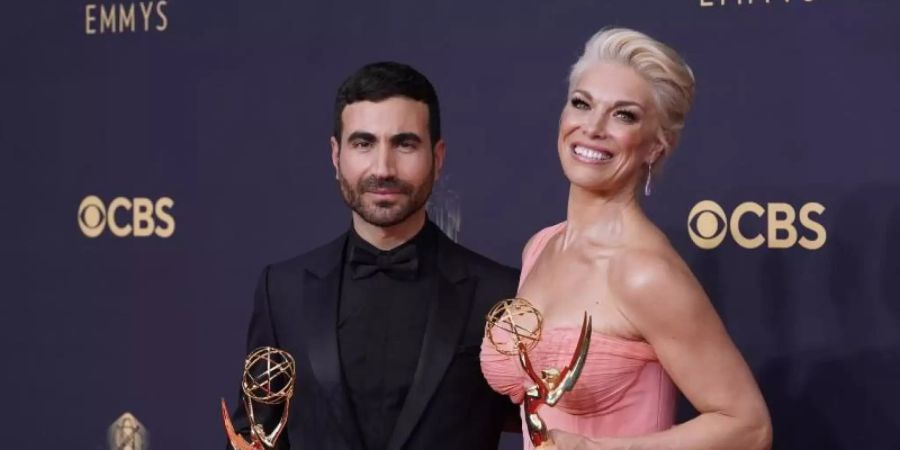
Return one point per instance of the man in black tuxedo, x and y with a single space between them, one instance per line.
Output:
385 322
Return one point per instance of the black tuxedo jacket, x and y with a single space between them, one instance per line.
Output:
449 404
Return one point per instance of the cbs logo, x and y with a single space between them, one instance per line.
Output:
708 225
143 217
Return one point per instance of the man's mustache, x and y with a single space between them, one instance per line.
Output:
376 183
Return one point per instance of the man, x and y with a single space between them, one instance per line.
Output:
385 322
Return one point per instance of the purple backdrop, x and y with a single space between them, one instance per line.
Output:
224 107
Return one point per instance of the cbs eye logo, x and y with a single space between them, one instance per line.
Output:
708 225
140 217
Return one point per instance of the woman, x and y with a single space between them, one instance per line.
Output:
652 322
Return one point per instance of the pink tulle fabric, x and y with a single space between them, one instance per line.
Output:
623 390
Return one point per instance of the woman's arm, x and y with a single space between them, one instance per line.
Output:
665 303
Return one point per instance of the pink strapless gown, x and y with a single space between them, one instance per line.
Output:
623 390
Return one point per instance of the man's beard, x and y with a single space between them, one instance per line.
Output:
386 213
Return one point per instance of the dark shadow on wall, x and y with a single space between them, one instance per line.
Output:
843 403
842 396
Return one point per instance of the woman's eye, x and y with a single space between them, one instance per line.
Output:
578 103
627 116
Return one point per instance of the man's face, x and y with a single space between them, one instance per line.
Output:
384 160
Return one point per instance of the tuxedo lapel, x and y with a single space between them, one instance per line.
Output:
321 290
447 316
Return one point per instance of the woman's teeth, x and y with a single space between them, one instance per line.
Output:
593 155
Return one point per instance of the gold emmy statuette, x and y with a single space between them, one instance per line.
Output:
522 324
127 433
269 375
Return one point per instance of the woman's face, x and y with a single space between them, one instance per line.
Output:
608 129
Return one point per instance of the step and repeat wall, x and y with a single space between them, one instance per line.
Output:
156 154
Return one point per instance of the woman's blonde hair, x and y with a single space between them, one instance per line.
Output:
670 76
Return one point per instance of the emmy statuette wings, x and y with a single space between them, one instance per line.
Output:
520 325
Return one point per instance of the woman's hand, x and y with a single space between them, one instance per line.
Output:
568 441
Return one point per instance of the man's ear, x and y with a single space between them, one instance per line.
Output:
335 156
440 151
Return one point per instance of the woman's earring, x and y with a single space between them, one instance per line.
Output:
647 188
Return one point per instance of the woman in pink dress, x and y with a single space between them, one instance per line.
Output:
654 329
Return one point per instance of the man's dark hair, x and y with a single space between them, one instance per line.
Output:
382 80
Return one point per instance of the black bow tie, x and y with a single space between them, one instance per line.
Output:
401 264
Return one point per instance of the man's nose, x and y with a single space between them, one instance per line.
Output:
384 165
